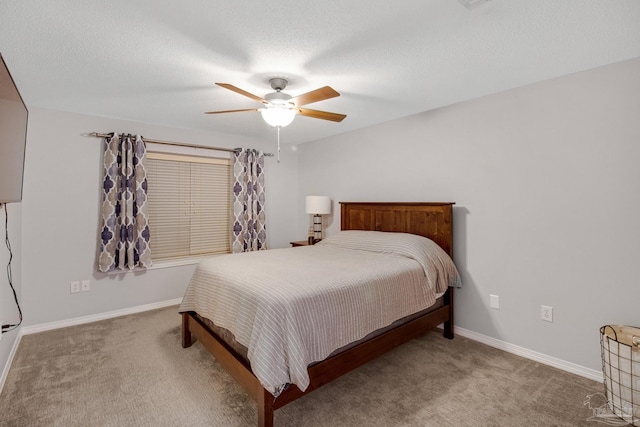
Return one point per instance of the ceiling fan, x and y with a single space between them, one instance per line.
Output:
280 108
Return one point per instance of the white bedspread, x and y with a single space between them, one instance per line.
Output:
291 307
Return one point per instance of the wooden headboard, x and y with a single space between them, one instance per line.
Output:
433 220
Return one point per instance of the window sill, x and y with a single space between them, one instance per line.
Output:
168 263
165 264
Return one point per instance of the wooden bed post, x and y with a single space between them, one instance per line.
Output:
186 333
265 409
448 325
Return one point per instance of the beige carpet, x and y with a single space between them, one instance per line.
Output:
132 371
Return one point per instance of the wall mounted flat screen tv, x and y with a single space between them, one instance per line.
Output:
13 137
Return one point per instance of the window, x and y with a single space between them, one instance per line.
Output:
189 205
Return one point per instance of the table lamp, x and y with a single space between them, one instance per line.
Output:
317 206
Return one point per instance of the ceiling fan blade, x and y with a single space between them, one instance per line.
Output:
242 92
314 96
324 115
232 111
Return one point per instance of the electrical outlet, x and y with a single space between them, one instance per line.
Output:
546 313
86 285
494 301
75 286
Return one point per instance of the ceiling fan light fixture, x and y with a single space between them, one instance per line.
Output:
278 115
279 108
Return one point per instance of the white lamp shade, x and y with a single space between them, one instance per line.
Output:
278 116
320 205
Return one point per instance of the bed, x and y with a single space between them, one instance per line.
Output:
276 368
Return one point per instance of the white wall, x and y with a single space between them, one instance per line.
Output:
60 216
8 309
546 184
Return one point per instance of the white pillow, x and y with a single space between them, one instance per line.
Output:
438 266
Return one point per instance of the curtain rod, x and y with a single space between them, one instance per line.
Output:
180 144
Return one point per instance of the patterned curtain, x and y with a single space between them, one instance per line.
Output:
124 222
249 228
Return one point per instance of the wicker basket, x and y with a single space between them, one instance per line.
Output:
621 368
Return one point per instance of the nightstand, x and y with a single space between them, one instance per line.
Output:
300 243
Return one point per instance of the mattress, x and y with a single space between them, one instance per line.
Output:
292 307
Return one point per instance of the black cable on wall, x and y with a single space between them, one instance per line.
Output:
10 326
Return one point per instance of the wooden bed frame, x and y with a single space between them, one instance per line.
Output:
432 220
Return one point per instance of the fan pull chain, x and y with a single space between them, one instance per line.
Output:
278 127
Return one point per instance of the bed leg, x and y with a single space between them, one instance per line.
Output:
265 409
186 333
448 325
448 330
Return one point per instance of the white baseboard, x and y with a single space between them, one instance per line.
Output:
32 329
591 374
12 353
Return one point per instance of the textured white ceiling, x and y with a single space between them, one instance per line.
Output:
157 61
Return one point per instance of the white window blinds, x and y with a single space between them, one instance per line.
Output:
189 205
